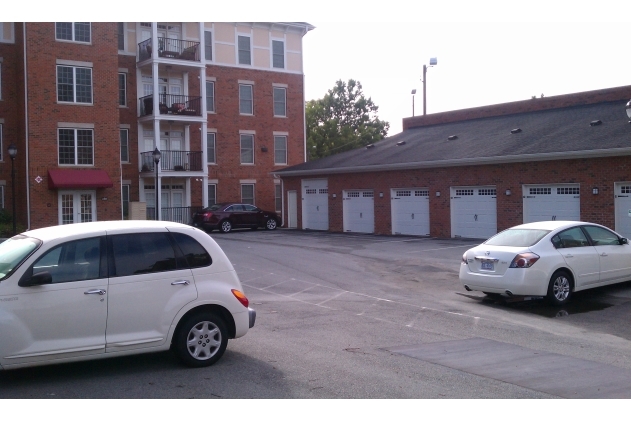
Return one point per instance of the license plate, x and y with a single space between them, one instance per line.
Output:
487 265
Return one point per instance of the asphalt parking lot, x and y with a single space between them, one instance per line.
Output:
364 316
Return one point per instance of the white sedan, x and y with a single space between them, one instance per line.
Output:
550 258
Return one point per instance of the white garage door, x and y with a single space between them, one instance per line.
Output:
623 209
410 211
473 212
552 202
315 204
359 211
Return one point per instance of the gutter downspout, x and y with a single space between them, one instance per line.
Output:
28 193
304 94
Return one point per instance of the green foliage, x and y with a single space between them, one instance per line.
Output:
6 225
344 119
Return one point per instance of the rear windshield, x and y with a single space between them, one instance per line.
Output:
13 252
214 207
517 238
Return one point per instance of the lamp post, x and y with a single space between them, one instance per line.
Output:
156 159
13 152
432 62
413 92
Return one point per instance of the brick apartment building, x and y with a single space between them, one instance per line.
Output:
77 100
473 172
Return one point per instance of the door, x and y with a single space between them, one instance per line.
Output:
359 211
410 211
580 256
76 206
62 319
292 209
146 290
315 204
615 257
552 202
473 212
622 199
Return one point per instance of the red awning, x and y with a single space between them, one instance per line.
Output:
78 179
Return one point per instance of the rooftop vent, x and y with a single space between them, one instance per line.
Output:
452 137
596 123
370 146
515 131
401 142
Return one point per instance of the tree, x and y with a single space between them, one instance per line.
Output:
344 119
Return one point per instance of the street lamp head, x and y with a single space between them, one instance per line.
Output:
13 150
433 61
629 110
156 155
413 91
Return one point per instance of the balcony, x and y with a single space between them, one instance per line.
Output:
173 161
170 48
183 215
172 105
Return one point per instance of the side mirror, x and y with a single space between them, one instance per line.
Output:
624 241
42 278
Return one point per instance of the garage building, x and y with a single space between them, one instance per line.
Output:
471 173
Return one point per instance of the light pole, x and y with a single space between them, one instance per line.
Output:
156 159
13 152
413 92
432 62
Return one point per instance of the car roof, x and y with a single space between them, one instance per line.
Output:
60 231
551 225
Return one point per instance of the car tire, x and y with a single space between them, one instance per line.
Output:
225 226
270 224
560 288
200 340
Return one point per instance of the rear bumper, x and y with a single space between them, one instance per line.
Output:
528 281
252 316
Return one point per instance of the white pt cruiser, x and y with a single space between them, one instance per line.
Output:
104 289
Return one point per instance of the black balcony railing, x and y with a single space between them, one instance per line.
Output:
173 161
170 48
183 215
172 104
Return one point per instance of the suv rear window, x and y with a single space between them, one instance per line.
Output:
517 238
142 253
195 254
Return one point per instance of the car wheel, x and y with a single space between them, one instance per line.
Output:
560 288
201 340
225 226
270 224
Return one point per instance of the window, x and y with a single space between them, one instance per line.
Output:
74 84
246 103
136 254
280 102
195 254
73 31
2 197
280 150
73 261
76 147
210 148
122 89
601 236
210 97
247 194
125 200
244 50
124 137
278 54
121 35
0 78
573 237
212 194
208 45
1 143
247 149
278 198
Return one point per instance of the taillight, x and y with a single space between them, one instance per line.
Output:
524 260
464 259
207 216
241 297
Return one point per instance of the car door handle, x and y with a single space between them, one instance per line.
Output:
95 291
569 255
604 255
180 283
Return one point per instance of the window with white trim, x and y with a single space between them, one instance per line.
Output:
280 150
280 102
125 200
210 96
76 146
74 84
246 101
247 194
278 198
212 194
245 56
208 45
278 54
247 149
122 89
124 138
210 148
73 31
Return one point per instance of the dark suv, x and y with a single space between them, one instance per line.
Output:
226 216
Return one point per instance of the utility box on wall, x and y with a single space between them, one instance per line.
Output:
138 210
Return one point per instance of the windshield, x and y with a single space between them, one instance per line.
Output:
517 238
13 251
